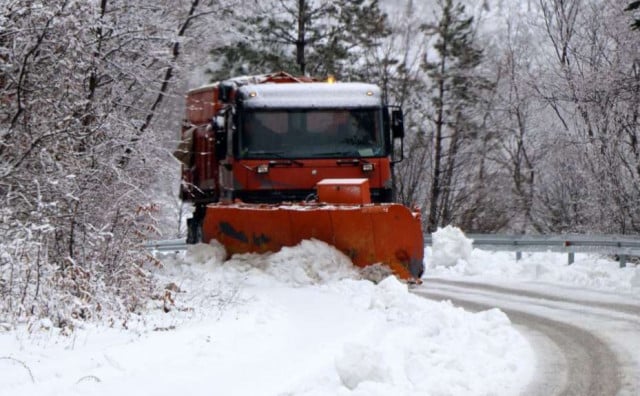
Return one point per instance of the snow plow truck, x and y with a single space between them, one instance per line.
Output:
271 160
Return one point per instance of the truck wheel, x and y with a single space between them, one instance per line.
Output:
194 225
194 231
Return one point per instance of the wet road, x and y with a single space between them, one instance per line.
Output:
584 344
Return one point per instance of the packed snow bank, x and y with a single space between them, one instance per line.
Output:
449 246
450 256
310 262
297 322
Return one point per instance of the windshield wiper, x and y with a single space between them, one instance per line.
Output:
276 154
341 154
268 154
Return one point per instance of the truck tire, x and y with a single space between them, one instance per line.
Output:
194 225
194 231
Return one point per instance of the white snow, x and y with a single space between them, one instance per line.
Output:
297 322
302 322
449 245
451 257
315 95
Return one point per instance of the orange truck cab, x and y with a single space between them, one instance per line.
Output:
272 139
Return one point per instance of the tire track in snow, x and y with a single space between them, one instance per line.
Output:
617 307
573 358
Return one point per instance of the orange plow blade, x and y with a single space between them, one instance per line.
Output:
389 234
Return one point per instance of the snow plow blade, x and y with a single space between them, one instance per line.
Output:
388 234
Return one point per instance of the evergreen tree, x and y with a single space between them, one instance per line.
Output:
456 87
303 36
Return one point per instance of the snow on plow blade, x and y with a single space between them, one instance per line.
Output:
382 233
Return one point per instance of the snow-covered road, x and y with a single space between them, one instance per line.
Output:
300 322
585 345
303 322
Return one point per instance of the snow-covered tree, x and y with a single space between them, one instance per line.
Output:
457 88
593 89
311 37
80 86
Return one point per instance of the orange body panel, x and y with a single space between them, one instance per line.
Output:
302 174
389 234
201 176
202 104
344 191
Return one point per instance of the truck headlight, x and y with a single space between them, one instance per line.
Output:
367 167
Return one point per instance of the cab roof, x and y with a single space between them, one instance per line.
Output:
310 95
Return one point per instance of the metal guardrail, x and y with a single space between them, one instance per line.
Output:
166 246
622 246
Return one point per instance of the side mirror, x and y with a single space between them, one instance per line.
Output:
397 124
219 136
217 123
397 132
225 92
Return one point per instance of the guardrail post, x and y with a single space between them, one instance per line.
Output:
623 247
623 260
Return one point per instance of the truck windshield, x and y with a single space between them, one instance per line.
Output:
311 133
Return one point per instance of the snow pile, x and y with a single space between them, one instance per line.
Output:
425 347
635 279
449 246
588 270
310 262
207 254
297 322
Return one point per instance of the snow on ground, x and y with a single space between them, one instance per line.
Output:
302 322
298 322
588 272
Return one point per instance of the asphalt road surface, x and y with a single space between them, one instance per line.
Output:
586 344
